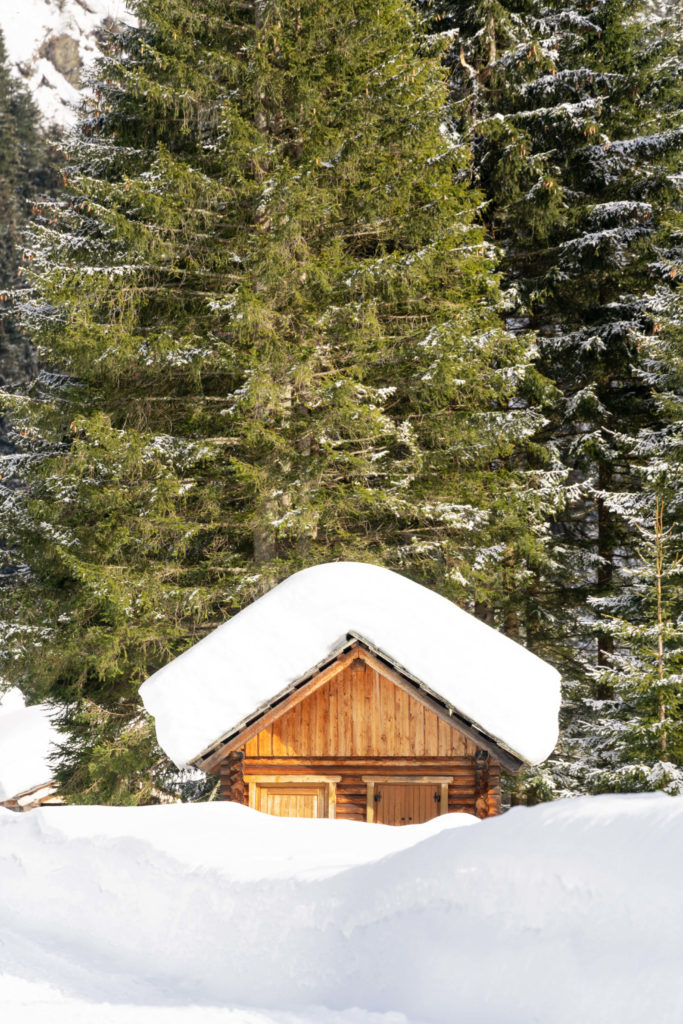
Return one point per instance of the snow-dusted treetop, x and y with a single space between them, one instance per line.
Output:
26 740
234 672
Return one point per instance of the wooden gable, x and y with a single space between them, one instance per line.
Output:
359 712
417 729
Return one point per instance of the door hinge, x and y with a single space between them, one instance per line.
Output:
437 798
377 797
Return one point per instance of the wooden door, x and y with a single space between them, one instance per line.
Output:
295 800
406 803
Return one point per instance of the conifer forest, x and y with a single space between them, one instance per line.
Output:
314 280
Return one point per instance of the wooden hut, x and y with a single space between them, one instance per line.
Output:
351 692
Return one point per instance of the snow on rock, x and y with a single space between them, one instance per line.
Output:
214 686
26 739
561 913
51 43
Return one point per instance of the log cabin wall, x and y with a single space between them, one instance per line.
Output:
357 725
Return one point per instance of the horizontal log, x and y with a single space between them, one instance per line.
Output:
358 762
262 777
412 779
352 772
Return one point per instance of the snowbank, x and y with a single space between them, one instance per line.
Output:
565 913
26 740
214 686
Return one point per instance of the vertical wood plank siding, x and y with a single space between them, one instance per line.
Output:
359 713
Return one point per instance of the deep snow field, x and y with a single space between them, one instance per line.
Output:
568 913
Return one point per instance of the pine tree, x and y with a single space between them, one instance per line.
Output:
633 173
268 326
632 739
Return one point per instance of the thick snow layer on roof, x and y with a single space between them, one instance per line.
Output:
26 739
216 914
213 687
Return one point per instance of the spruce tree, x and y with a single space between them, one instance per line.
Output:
573 114
632 739
630 736
267 320
24 171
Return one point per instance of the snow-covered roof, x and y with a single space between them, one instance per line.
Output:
26 740
234 672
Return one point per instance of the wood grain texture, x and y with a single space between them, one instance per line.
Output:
494 795
232 786
357 731
481 784
292 795
383 715
405 803
297 801
359 713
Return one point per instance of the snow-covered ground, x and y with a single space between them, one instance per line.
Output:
568 913
51 43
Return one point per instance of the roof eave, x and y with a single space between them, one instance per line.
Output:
209 758
507 757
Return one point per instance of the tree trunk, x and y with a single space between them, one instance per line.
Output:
606 562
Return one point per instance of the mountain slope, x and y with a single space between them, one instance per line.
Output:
51 43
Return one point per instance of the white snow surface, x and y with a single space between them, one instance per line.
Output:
214 686
564 913
11 699
29 24
26 739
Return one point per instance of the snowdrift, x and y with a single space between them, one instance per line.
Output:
562 913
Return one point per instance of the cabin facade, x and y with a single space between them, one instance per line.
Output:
352 692
359 740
